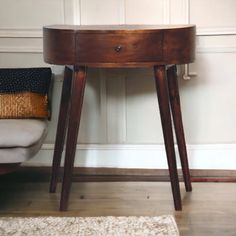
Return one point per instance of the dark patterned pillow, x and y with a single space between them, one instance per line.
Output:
24 92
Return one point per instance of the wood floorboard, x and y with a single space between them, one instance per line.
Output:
91 174
209 210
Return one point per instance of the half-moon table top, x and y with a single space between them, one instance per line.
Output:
119 45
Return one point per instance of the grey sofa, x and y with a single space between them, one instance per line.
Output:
20 140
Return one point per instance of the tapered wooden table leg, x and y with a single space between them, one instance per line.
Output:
179 129
163 100
77 94
61 128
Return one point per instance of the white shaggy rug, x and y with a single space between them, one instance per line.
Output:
88 226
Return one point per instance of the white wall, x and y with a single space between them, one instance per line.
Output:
120 124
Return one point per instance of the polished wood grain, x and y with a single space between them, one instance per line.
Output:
140 45
77 95
162 93
61 127
199 217
178 123
119 46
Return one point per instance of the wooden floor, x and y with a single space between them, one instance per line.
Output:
209 210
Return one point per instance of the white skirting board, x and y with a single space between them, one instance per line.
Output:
207 156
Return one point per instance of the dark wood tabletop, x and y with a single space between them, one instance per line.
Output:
119 45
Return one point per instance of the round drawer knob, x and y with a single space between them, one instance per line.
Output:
118 48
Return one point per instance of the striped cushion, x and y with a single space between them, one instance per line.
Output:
24 92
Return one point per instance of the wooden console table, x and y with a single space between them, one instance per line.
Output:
160 47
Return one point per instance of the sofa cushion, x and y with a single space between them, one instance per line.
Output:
19 154
21 132
24 92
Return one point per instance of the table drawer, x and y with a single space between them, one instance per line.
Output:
118 47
